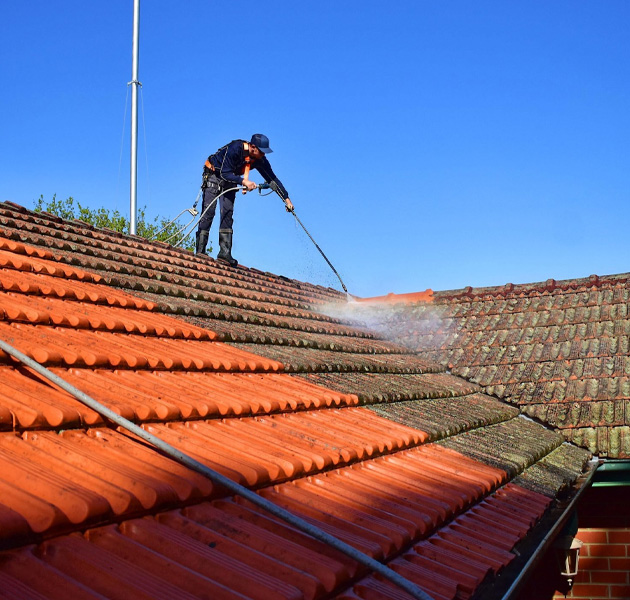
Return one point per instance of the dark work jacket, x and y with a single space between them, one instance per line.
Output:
229 165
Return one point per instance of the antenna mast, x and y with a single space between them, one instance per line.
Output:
134 120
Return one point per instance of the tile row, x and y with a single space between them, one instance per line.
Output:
395 387
309 360
611 368
607 442
53 311
302 334
29 402
466 337
31 284
438 565
612 292
229 549
444 417
395 490
564 415
556 390
62 346
512 445
482 355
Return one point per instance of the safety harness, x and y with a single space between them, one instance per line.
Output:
248 159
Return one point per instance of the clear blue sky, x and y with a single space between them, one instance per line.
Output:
425 144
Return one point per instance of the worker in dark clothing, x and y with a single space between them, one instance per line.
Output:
227 168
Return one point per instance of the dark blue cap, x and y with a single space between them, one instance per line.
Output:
261 142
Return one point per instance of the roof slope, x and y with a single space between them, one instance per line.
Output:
559 350
245 372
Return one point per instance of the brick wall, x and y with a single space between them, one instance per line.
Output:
604 570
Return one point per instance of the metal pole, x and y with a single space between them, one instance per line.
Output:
134 119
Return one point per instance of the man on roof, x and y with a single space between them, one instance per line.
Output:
228 168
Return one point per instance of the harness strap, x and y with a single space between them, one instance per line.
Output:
248 160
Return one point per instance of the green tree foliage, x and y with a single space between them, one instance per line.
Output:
112 219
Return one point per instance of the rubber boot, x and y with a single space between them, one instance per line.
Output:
225 247
202 241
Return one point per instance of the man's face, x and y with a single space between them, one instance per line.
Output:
254 152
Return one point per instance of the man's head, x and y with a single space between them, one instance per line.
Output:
260 145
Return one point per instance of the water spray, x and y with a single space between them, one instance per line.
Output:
274 187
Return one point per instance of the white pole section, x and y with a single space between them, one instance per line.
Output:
134 120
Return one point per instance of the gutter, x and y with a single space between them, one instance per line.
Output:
534 559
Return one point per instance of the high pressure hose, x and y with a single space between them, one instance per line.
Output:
219 479
195 221
187 229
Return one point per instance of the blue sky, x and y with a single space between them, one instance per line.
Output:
424 144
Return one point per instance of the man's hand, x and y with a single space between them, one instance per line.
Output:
248 186
289 205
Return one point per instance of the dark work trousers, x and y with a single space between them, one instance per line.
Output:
214 186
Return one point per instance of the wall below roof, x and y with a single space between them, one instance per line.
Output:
604 567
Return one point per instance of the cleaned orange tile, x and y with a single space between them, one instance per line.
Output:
367 534
434 509
466 583
45 285
401 472
40 475
53 311
258 531
246 473
426 296
123 485
124 448
464 467
229 543
10 260
107 574
431 582
26 576
311 453
68 347
163 546
138 556
374 589
465 568
32 403
403 524
19 248
279 461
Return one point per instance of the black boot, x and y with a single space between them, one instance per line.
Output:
225 246
202 241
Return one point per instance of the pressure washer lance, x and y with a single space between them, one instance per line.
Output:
272 185
187 229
